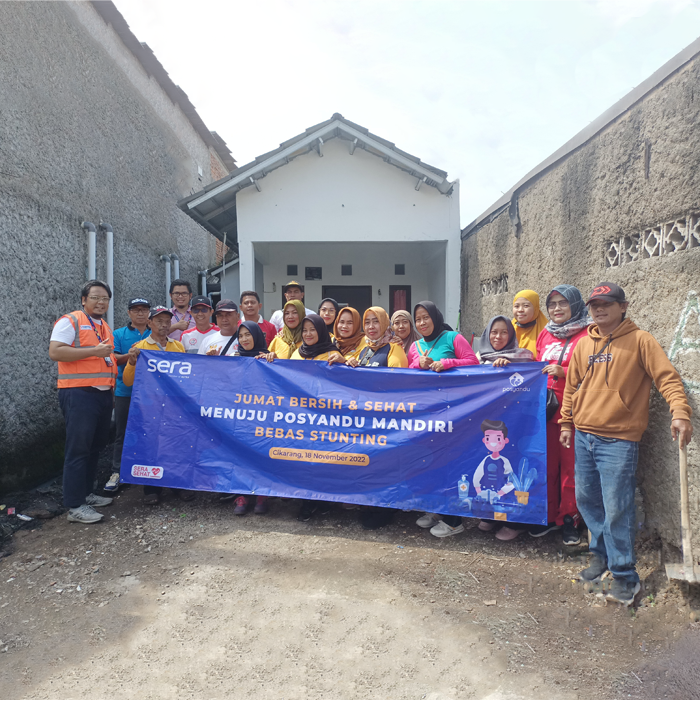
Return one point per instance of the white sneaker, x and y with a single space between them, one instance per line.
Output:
84 514
428 520
94 500
113 483
442 530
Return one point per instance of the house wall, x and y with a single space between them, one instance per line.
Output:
625 207
85 134
353 199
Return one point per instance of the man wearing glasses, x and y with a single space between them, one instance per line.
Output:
125 337
180 294
201 310
83 346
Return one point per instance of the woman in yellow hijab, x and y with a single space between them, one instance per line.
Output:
528 319
289 339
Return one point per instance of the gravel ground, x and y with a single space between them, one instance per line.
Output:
186 600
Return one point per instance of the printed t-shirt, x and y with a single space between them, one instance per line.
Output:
193 339
218 342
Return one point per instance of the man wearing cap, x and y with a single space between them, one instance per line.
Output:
607 400
201 310
225 340
135 330
160 319
292 290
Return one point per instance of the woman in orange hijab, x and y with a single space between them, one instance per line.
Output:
528 319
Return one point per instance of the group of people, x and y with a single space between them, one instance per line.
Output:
599 367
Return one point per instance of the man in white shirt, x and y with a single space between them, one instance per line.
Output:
225 340
292 290
201 310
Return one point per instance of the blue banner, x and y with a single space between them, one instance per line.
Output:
468 441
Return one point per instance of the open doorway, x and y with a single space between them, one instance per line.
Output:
357 296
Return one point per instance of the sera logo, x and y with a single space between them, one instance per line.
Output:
516 379
152 472
175 367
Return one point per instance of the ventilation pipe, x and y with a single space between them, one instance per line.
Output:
109 234
176 265
166 260
92 238
203 276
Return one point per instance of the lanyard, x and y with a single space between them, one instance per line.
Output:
433 346
108 360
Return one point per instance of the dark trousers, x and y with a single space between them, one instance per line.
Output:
121 414
87 414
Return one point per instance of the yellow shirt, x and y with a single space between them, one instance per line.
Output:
282 350
297 356
397 357
355 352
149 344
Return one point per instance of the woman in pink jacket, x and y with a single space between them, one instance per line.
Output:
568 324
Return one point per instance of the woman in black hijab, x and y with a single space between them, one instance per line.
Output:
317 343
251 344
328 310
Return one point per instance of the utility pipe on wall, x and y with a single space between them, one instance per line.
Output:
92 239
166 259
109 234
203 275
176 265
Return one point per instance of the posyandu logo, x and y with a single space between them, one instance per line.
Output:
516 379
174 367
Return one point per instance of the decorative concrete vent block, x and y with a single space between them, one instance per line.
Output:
494 286
666 239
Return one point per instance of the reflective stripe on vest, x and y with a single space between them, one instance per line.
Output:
88 372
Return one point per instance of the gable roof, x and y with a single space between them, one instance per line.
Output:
510 199
214 207
153 67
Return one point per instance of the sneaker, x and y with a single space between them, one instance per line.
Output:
486 526
539 531
623 591
569 532
241 506
84 514
442 530
597 567
428 520
94 500
112 483
507 533
260 505
307 511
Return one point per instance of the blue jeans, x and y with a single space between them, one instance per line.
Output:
88 415
605 483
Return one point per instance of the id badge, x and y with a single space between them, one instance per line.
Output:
109 362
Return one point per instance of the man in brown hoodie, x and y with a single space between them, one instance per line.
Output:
607 400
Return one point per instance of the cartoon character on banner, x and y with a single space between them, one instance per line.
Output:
494 480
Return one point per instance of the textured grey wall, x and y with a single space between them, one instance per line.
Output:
77 142
635 181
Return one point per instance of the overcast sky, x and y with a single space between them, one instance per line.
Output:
482 89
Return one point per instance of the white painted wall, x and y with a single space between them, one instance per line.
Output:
350 199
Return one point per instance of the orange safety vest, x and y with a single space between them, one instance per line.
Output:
89 372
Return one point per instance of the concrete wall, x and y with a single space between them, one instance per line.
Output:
85 134
352 199
637 182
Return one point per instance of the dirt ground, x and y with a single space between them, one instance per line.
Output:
186 600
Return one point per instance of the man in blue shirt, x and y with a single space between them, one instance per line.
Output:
125 337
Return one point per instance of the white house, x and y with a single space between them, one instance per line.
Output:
345 213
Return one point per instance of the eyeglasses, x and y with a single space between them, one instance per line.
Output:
180 294
200 310
561 305
140 310
99 299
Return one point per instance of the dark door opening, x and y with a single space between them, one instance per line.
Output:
357 296
399 298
